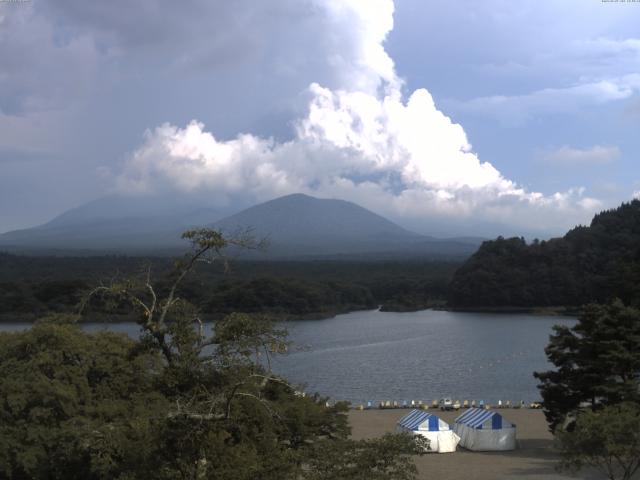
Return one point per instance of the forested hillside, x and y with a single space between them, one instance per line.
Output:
588 264
34 286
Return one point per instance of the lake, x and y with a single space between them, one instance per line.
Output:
372 356
425 355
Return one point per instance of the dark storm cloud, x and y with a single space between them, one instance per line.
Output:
39 70
217 32
254 57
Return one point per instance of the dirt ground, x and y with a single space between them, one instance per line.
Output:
534 459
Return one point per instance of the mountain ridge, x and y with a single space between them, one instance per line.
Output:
297 225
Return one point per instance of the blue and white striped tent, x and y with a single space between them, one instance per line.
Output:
441 438
421 420
485 430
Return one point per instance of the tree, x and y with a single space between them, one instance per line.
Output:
181 402
594 263
73 405
608 440
378 459
597 360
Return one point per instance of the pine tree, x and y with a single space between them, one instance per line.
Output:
597 360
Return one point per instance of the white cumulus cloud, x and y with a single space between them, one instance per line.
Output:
365 142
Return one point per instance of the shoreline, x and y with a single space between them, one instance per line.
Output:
565 311
560 311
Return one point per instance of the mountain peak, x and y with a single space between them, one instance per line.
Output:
296 197
303 217
303 199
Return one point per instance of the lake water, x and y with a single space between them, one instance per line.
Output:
374 356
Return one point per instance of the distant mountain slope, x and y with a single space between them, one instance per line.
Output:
588 264
302 217
114 223
296 226
303 226
118 207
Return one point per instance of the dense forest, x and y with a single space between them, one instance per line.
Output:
33 286
589 264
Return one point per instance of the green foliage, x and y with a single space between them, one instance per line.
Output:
376 459
31 287
608 440
101 406
597 360
74 405
288 296
176 404
206 238
589 264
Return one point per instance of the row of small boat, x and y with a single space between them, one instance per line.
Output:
454 405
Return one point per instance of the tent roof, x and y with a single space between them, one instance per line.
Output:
415 418
476 417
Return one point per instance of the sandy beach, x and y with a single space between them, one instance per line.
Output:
535 457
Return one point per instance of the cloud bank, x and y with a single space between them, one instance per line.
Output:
364 141
570 156
516 110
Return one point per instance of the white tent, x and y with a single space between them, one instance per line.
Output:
441 438
485 430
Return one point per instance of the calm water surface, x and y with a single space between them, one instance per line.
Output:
373 356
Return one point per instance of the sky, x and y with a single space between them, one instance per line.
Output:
448 117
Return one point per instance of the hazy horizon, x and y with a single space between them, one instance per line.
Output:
209 214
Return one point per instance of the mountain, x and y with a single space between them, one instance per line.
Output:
315 226
592 263
296 226
300 225
114 223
